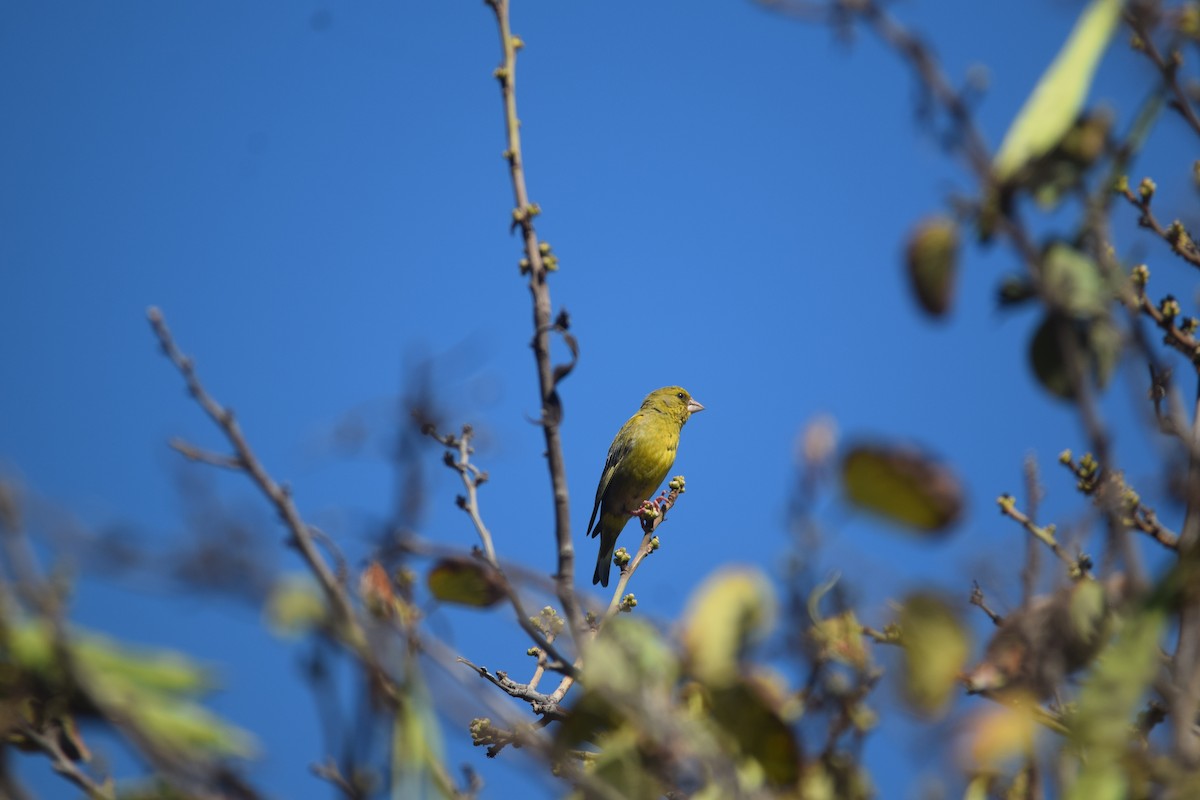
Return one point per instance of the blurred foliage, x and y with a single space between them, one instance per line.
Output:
767 687
154 690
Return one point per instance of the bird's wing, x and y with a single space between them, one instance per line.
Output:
619 449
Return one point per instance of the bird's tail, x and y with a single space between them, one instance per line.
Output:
604 561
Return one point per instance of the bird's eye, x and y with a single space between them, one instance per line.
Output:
679 395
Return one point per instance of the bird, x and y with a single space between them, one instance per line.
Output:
638 460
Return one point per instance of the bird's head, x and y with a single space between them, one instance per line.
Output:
674 401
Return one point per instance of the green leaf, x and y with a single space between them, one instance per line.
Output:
295 606
1072 281
749 713
1109 700
1056 101
1098 343
149 687
187 729
418 749
630 653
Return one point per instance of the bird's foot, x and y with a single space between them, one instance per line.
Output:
647 508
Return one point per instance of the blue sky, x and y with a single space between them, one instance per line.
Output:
314 194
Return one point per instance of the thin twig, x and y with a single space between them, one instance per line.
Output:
536 264
978 601
472 477
1029 574
1175 235
1044 534
193 453
279 496
330 773
1185 704
1168 68
63 765
648 545
540 703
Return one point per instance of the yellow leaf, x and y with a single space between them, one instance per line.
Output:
999 734
295 606
465 581
1055 103
840 638
730 609
932 260
903 485
936 647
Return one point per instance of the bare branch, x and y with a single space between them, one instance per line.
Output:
1168 67
280 497
48 743
538 263
193 453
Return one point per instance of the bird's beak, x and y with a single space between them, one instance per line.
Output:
693 407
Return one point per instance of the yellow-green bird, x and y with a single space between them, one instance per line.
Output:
639 459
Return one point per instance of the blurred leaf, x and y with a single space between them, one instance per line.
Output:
623 766
977 789
186 728
903 485
730 609
592 716
835 777
375 589
1098 343
1061 170
32 649
932 260
418 751
1058 97
158 670
840 638
1073 283
466 581
1014 290
149 688
936 646
1000 733
1110 697
1088 610
749 713
296 606
630 654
